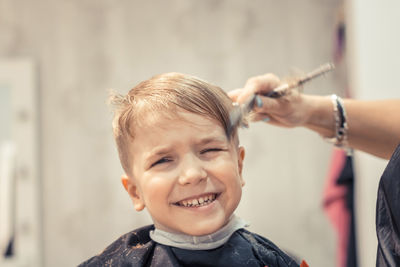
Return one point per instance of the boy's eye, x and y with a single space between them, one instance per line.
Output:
215 149
160 161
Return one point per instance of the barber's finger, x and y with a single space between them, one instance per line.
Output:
264 83
260 117
234 94
259 85
265 104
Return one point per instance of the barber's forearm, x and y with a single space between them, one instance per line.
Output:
374 126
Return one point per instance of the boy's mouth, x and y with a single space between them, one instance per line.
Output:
198 201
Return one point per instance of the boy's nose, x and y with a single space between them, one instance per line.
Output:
192 171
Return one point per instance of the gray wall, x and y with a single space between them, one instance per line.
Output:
84 47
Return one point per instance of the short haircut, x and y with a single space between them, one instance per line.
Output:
165 94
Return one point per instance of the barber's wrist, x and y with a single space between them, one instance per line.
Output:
319 115
341 125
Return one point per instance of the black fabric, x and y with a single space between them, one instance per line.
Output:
388 214
242 249
346 178
10 249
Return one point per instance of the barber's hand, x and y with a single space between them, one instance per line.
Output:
288 111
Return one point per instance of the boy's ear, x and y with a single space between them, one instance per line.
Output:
133 191
241 154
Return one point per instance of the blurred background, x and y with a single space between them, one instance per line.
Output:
61 200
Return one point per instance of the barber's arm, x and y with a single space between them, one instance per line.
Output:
373 126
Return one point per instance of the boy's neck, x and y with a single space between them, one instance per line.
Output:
204 242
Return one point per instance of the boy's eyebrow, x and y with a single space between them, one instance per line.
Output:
212 139
158 151
166 149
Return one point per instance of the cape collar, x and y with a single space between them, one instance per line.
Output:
203 242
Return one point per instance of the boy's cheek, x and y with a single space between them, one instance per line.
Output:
156 188
225 166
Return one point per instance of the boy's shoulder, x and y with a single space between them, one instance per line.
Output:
265 248
136 248
132 247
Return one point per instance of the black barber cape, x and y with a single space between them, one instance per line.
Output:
388 214
242 249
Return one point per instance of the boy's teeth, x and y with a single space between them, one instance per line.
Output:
201 201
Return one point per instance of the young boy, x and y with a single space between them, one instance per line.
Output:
184 165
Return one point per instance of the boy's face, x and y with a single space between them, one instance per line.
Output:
187 173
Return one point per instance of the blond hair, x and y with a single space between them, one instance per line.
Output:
164 94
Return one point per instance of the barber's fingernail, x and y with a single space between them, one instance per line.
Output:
266 119
259 101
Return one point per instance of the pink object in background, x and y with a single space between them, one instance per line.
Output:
335 207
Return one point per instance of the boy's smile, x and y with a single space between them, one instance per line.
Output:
199 201
186 172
